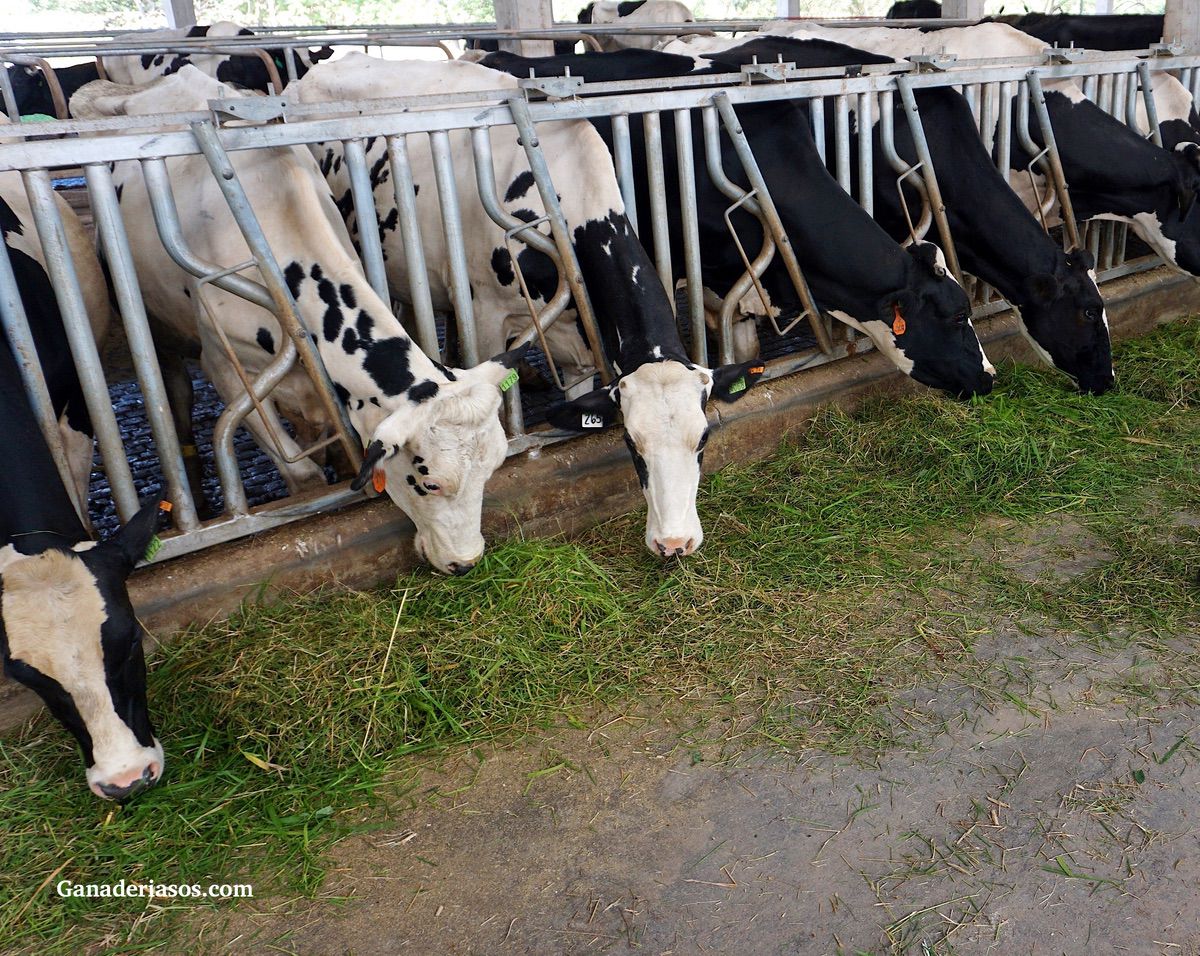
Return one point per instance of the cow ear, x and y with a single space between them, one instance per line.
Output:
1191 152
375 454
1043 288
1081 259
1186 197
132 541
731 382
390 436
591 412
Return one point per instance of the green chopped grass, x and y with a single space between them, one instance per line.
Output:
825 586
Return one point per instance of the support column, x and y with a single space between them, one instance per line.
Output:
787 8
1182 23
180 13
524 15
962 9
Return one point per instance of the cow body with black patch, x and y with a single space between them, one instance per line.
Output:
1113 173
398 399
663 393
245 70
631 13
67 630
997 238
853 268
28 260
1117 31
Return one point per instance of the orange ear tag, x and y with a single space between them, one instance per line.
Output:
898 323
379 480
758 369
165 506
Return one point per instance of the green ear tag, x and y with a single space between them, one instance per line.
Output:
509 380
738 386
152 548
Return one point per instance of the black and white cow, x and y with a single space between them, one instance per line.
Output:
247 71
67 629
433 433
998 239
1118 31
631 14
855 271
660 394
1113 172
29 265
914 10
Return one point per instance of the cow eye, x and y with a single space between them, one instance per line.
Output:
432 486
1092 315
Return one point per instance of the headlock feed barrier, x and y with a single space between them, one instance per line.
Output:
45 151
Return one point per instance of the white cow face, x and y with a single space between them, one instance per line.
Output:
666 429
434 459
69 633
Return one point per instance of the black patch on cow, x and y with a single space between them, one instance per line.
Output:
316 272
187 292
57 700
540 274
380 172
347 293
374 401
502 265
177 64
415 487
202 31
626 8
120 189
364 324
332 322
359 406
342 393
327 162
422 392
639 463
422 469
389 224
294 275
243 32
387 364
147 60
450 376
519 186
525 215
158 60
265 340
417 459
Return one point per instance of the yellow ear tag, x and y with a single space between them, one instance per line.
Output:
509 380
379 480
898 323
152 548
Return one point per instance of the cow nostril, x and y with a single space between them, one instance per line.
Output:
459 569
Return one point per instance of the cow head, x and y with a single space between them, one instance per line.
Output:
666 428
68 632
925 328
434 458
1062 316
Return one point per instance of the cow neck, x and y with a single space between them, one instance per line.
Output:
998 239
371 360
36 512
627 296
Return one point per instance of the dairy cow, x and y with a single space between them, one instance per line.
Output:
854 269
433 433
1113 172
248 71
67 630
631 13
660 394
1119 31
1054 292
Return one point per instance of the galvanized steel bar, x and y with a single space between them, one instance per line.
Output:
623 161
841 132
369 244
519 110
937 207
1004 131
284 306
60 266
1148 101
111 230
414 251
866 175
656 176
11 106
686 170
1056 169
816 106
24 351
460 281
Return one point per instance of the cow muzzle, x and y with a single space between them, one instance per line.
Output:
125 785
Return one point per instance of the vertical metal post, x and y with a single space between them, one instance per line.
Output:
558 227
10 98
866 175
685 164
369 244
61 268
1056 170
623 160
936 206
655 174
1148 99
20 340
414 251
817 108
460 281
115 243
1004 131
841 131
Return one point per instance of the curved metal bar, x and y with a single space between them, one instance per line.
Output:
1148 101
887 140
56 92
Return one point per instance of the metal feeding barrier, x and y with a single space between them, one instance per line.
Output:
458 127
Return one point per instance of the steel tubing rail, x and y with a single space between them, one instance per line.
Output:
656 175
414 251
284 306
1148 100
460 281
937 207
1056 169
519 110
685 168
887 139
24 351
61 269
369 244
115 243
623 161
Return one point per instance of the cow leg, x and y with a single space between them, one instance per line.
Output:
181 398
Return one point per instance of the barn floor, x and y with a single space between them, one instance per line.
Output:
1049 806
